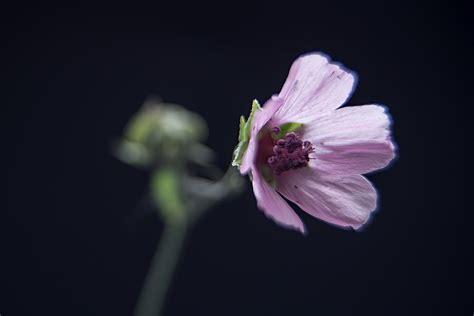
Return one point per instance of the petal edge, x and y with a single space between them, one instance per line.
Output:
314 85
345 201
273 205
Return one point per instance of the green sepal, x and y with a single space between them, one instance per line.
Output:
244 135
287 128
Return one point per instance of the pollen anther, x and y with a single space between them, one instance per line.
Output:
290 153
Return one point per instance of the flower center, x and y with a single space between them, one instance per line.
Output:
289 152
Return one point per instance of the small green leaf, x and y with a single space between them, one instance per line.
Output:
244 135
288 128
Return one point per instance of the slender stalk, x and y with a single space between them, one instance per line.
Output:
153 293
177 221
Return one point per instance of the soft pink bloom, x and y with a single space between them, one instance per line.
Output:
319 166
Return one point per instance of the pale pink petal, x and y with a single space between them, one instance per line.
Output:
273 205
353 159
351 140
341 200
314 86
261 118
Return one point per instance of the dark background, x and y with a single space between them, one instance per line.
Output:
76 241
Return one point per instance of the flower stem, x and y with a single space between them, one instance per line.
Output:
205 195
157 281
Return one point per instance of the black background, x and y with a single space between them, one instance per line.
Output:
76 241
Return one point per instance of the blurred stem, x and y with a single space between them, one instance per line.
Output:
178 218
153 293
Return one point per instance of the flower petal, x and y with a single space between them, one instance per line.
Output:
273 205
314 85
340 200
261 118
351 140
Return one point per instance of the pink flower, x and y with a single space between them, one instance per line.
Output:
302 145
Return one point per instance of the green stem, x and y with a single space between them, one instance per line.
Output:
153 293
177 220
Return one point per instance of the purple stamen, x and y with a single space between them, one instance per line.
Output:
290 153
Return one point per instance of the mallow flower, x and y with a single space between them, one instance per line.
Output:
301 145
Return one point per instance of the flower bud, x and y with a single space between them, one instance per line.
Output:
161 133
